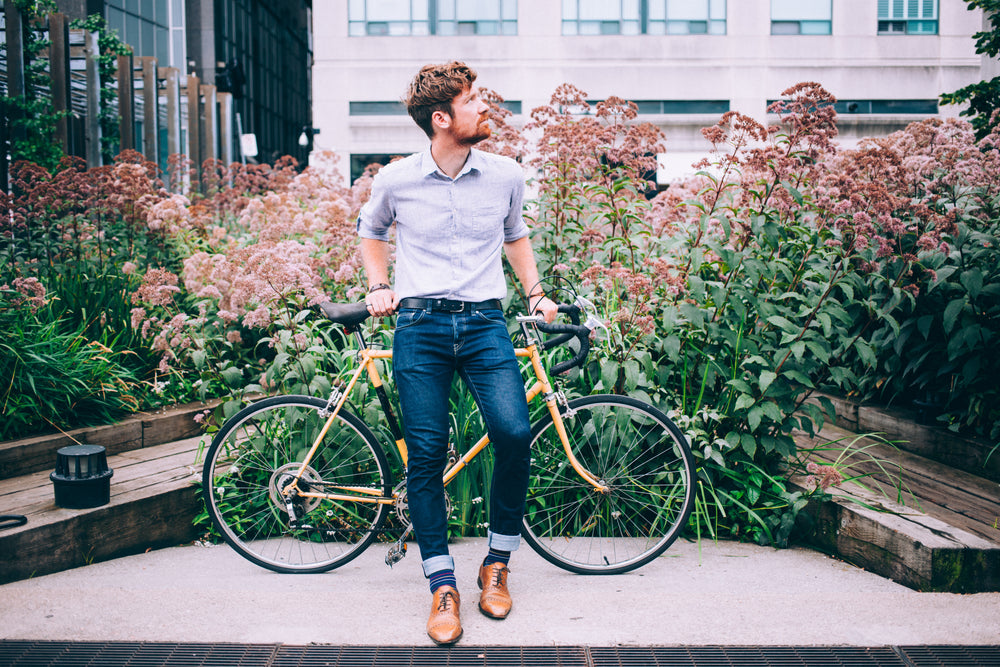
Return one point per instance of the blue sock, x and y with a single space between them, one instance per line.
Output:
496 556
442 578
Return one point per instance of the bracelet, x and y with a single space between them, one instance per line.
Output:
541 295
376 288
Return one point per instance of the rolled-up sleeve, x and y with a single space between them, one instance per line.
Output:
377 215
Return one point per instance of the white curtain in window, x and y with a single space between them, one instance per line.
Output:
600 10
687 10
801 10
477 10
390 10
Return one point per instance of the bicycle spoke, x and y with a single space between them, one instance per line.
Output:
646 467
260 452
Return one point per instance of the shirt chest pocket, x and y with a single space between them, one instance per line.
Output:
487 221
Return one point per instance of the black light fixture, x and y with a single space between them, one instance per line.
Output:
308 133
82 478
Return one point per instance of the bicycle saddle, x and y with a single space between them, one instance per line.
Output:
348 314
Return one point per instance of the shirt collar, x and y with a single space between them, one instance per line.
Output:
428 167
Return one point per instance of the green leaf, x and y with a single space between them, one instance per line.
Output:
749 444
744 401
865 353
782 323
232 376
766 378
754 416
798 376
972 281
951 313
772 411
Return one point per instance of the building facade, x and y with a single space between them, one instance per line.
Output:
258 50
684 62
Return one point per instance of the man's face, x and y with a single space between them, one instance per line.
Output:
470 118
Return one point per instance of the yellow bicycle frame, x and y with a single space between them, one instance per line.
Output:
367 358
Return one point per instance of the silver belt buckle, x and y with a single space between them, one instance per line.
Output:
450 306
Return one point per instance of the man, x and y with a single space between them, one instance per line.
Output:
455 208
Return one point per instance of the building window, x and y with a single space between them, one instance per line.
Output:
399 109
150 30
644 17
655 107
918 107
801 17
907 17
432 17
476 17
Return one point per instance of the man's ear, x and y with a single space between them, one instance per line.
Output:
440 119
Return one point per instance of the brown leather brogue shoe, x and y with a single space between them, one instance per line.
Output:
495 600
445 626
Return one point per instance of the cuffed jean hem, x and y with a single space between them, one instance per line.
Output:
504 542
437 563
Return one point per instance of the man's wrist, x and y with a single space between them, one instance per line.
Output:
377 287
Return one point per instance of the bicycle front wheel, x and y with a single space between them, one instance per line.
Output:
643 461
259 452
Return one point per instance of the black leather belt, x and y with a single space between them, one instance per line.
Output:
448 305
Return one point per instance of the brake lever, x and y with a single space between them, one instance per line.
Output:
592 322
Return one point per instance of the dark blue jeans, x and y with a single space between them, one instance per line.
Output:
428 349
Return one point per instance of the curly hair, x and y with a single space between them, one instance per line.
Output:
433 89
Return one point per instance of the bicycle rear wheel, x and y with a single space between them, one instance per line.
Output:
259 451
646 464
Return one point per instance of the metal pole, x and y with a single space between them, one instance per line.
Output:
239 133
211 130
226 128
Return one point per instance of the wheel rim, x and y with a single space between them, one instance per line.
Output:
647 470
256 457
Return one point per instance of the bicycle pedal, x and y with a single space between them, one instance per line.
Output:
395 554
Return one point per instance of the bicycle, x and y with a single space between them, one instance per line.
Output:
301 484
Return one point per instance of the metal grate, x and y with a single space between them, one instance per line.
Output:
14 653
746 656
132 654
418 656
952 656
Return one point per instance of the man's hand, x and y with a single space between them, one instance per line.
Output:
543 305
382 302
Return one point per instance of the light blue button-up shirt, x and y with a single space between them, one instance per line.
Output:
449 233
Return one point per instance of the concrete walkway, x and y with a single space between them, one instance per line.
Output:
717 594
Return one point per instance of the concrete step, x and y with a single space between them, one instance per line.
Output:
909 518
153 504
27 455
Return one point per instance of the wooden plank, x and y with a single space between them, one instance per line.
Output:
953 496
929 440
121 528
933 442
175 423
19 457
897 542
33 495
153 504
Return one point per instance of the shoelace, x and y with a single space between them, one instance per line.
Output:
447 600
501 576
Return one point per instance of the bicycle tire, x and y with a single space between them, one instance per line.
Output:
647 465
258 450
